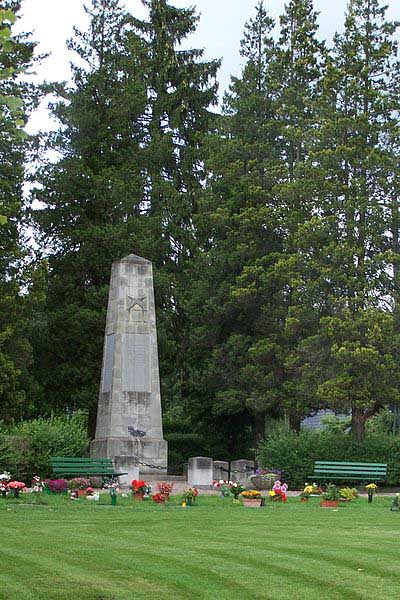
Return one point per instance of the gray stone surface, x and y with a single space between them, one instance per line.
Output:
220 470
245 468
200 471
129 424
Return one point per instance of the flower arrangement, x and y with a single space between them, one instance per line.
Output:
140 487
165 489
78 483
331 493
37 484
158 498
348 494
224 487
278 492
251 495
5 477
16 485
190 495
310 489
371 488
57 486
236 489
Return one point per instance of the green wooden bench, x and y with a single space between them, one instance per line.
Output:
349 471
66 466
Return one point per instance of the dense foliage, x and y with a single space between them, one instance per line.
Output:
26 448
296 453
273 224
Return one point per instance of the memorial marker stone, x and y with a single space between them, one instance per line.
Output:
129 424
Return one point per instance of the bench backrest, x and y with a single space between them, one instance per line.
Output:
358 470
82 466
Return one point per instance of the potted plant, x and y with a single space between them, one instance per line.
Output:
140 489
37 484
264 479
395 503
348 494
164 489
251 498
4 479
372 489
330 498
189 496
304 496
236 489
278 492
79 486
16 487
224 487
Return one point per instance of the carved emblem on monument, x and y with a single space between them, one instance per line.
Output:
133 302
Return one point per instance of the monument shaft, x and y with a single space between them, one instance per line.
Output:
129 422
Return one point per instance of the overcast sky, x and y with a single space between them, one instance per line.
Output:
219 31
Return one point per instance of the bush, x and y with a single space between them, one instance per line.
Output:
26 448
296 453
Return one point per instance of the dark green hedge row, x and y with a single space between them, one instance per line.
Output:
296 453
26 448
182 446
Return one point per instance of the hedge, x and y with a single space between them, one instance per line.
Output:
296 453
26 448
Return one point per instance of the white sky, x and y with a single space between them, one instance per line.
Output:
219 32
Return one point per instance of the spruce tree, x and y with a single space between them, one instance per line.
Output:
181 89
91 205
235 376
15 99
343 249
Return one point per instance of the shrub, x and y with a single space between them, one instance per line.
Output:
26 448
296 453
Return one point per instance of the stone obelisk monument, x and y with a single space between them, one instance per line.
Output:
129 424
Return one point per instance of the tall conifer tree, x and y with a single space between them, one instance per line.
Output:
91 205
343 249
234 336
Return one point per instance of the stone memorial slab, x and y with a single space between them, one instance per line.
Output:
245 468
220 470
200 471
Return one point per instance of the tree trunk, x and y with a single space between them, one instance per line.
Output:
295 422
92 417
259 427
357 424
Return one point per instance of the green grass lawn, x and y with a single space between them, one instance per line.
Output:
213 550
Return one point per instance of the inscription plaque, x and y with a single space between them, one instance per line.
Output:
135 363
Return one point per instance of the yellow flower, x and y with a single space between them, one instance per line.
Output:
272 493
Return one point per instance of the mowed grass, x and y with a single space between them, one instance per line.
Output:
218 550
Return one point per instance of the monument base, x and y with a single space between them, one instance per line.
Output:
147 450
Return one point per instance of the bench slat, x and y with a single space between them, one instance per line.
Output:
334 463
